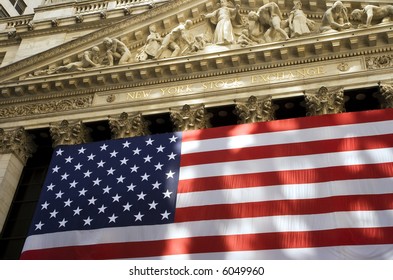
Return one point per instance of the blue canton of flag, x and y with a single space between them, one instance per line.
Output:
110 184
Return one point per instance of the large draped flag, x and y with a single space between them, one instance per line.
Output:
307 188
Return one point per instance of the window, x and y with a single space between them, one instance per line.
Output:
19 5
3 12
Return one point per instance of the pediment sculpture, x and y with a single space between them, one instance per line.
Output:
227 26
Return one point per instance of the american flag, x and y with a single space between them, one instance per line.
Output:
308 188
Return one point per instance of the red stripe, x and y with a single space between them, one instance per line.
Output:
290 124
210 244
285 207
294 149
306 176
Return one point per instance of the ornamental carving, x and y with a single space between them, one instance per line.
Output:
188 118
386 95
46 107
128 126
18 142
65 133
255 110
379 62
325 102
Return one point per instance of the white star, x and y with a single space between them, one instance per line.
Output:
82 192
73 184
39 225
167 194
112 219
87 173
147 158
116 198
64 176
102 209
92 200
126 144
55 169
134 168
50 187
127 207
113 154
171 156
170 174
59 152
97 182
107 189
173 139
138 217
156 185
160 149
159 166
59 194
91 157
101 164
45 205
165 215
69 159
153 205
145 177
67 203
103 147
149 142
131 187
120 179
81 151
62 223
141 196
53 214
87 221
110 171
136 151
77 211
78 166
124 161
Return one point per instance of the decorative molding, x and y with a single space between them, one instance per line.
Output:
187 118
325 102
65 133
18 142
125 126
379 62
254 110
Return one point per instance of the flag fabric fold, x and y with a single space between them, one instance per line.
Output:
308 188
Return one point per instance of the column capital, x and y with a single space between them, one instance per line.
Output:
325 101
190 118
124 126
386 95
18 142
255 110
66 133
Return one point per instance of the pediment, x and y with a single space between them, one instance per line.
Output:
60 69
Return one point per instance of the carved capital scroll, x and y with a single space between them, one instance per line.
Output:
128 126
386 95
254 110
188 118
65 133
325 102
18 142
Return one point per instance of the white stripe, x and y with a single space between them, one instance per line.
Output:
355 219
368 252
285 192
287 137
287 163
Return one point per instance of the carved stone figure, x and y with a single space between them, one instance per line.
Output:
189 119
298 22
64 133
153 43
244 40
255 111
222 18
270 15
255 29
325 102
335 18
116 50
372 12
172 40
125 126
199 43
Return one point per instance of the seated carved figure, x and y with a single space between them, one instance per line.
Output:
116 49
335 18
371 12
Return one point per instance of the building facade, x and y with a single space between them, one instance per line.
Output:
79 71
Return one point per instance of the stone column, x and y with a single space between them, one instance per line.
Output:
128 126
385 96
325 102
190 118
16 146
254 110
65 133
